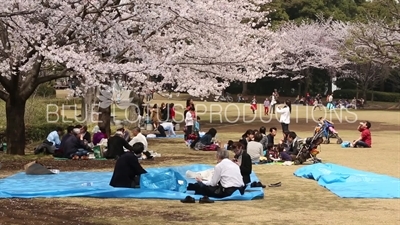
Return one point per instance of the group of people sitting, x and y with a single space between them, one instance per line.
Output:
78 143
262 148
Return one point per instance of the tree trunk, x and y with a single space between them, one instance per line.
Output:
15 131
84 110
244 88
105 119
364 93
307 81
382 85
137 102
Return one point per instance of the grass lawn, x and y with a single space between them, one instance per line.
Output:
297 201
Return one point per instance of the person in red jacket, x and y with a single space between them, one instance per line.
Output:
365 140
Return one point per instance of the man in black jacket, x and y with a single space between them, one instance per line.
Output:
116 145
243 160
127 169
271 137
268 140
73 145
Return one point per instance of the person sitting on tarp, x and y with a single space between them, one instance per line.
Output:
116 145
54 138
51 144
206 142
99 133
365 140
293 142
166 127
74 146
139 137
225 180
127 169
243 160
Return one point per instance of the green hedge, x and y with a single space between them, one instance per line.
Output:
46 90
378 96
59 102
39 132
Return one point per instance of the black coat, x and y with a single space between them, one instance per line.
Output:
115 147
244 142
126 169
70 145
87 137
246 167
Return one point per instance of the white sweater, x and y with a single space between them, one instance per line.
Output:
255 150
285 115
189 119
139 138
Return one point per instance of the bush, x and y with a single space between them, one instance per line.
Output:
59 102
35 112
39 132
378 96
46 90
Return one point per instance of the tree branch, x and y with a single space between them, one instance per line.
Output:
3 95
5 14
45 79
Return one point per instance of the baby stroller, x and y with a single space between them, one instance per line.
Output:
327 133
308 149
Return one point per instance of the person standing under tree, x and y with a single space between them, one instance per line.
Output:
266 106
253 106
273 103
189 122
285 115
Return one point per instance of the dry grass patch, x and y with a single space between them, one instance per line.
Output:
297 201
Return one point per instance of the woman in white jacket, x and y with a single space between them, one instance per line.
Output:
273 103
285 115
189 122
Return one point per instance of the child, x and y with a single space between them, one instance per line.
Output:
253 106
266 106
197 127
274 153
331 128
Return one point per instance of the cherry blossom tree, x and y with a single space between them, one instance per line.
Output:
189 43
374 48
310 44
377 42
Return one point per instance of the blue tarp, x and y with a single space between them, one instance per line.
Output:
177 136
350 183
159 183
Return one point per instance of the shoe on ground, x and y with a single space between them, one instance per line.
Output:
205 200
259 184
275 185
188 199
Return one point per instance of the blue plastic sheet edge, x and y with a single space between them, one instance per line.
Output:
346 182
105 191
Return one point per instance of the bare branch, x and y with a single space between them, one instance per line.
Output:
20 13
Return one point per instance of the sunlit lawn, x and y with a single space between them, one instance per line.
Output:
297 201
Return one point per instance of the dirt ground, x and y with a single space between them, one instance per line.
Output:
298 201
